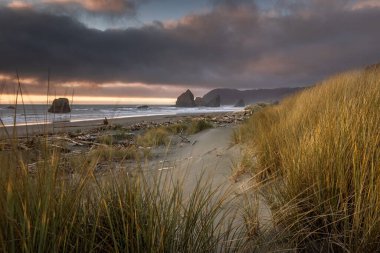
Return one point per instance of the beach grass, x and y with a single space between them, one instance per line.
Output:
320 149
154 137
110 153
52 211
197 126
161 136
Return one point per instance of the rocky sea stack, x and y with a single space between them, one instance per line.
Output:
240 103
60 105
186 99
143 107
199 101
214 102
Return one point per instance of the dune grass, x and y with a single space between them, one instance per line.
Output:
154 137
63 205
161 135
322 146
197 126
51 211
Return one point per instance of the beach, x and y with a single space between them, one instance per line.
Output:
62 127
131 133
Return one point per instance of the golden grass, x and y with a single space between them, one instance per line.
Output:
324 145
197 126
161 135
109 153
50 211
62 205
154 137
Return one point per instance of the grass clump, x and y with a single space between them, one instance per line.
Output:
190 126
154 137
113 138
324 146
244 165
48 212
243 133
178 128
197 126
161 135
110 153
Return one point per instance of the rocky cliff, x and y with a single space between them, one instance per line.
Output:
231 96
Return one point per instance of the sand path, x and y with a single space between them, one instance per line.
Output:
210 155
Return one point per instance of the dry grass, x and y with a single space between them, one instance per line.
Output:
324 145
162 135
197 126
63 206
110 153
154 137
49 212
245 164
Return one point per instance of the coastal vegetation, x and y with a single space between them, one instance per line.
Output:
318 155
313 159
53 199
161 135
46 212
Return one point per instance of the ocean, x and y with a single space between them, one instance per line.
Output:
37 114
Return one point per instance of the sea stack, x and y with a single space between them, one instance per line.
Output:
186 99
143 107
214 102
60 105
240 103
199 101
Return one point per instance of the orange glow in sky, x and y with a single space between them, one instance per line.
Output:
41 99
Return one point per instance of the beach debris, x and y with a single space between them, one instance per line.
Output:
22 146
183 138
60 148
166 168
80 143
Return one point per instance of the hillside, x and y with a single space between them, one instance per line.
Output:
231 96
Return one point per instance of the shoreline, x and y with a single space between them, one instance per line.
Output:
21 131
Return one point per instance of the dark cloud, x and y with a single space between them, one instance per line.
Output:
101 14
106 7
234 45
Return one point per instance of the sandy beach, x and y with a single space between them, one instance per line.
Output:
65 127
143 136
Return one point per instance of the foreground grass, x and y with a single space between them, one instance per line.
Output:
322 146
51 211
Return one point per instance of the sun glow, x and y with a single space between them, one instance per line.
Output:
42 99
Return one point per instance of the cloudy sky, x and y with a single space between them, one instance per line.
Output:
151 50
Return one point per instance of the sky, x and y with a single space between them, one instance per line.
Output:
150 51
